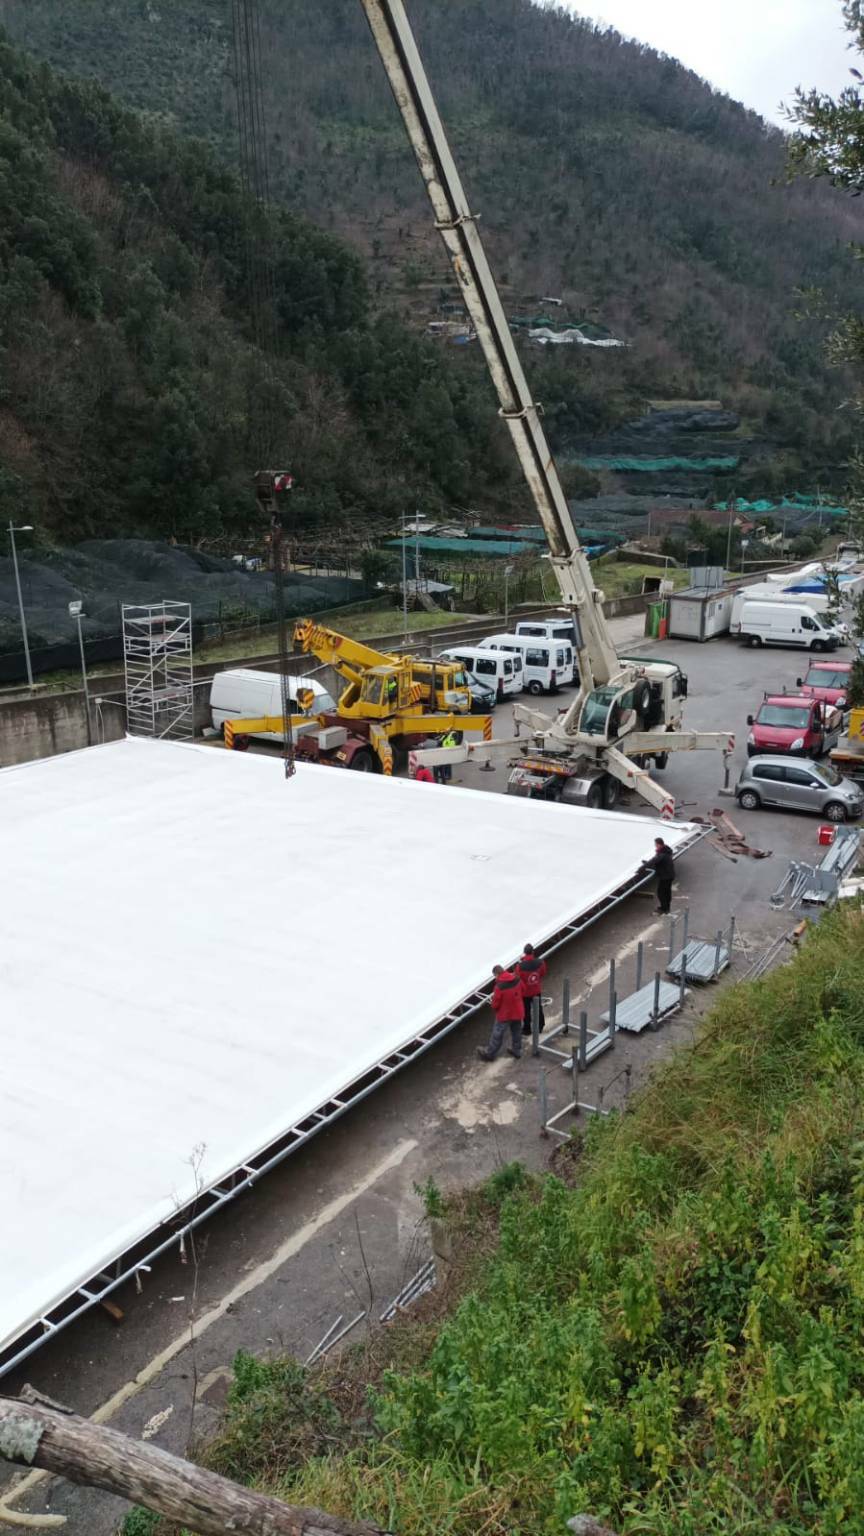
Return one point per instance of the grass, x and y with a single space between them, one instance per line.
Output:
385 620
671 1339
618 578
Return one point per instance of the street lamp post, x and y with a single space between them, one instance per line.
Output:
77 615
25 528
729 535
508 572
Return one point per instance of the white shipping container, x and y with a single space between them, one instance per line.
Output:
699 613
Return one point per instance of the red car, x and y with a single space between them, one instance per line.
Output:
793 723
827 681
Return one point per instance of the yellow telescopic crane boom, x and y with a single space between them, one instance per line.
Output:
457 225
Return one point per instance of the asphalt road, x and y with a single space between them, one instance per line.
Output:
338 1228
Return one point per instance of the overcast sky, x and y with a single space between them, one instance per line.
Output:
755 50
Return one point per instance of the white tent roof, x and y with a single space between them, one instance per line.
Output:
196 954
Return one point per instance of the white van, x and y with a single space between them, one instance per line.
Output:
762 592
242 694
546 664
785 623
552 629
501 670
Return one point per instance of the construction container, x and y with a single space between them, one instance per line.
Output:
699 613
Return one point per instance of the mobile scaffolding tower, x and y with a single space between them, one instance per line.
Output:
157 657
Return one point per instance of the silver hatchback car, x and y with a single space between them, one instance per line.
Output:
799 787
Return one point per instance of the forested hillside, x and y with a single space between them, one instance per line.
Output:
132 395
605 174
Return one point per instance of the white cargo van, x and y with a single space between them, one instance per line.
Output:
784 623
552 629
762 592
546 664
501 670
242 694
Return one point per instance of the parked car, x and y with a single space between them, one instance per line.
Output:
827 681
483 695
793 723
821 790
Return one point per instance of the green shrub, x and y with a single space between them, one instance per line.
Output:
275 1421
140 1522
504 1181
675 1345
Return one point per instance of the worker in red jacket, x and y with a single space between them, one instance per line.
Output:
531 972
509 1010
424 775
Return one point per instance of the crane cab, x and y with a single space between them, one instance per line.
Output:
446 682
652 701
408 686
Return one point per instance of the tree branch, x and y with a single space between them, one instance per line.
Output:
32 1435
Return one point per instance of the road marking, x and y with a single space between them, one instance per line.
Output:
249 1283
630 948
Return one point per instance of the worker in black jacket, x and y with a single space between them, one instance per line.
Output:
664 865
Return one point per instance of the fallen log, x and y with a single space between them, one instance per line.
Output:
32 1435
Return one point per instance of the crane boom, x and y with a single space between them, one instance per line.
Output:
457 226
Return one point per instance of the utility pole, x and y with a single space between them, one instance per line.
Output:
729 535
404 580
75 611
508 572
24 528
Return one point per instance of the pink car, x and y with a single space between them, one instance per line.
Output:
793 723
827 681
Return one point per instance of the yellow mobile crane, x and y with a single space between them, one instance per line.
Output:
625 712
389 701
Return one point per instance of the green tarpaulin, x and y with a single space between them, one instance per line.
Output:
788 504
491 548
656 466
537 535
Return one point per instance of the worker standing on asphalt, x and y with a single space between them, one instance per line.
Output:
509 1012
663 864
531 972
445 770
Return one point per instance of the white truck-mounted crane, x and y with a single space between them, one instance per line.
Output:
625 712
